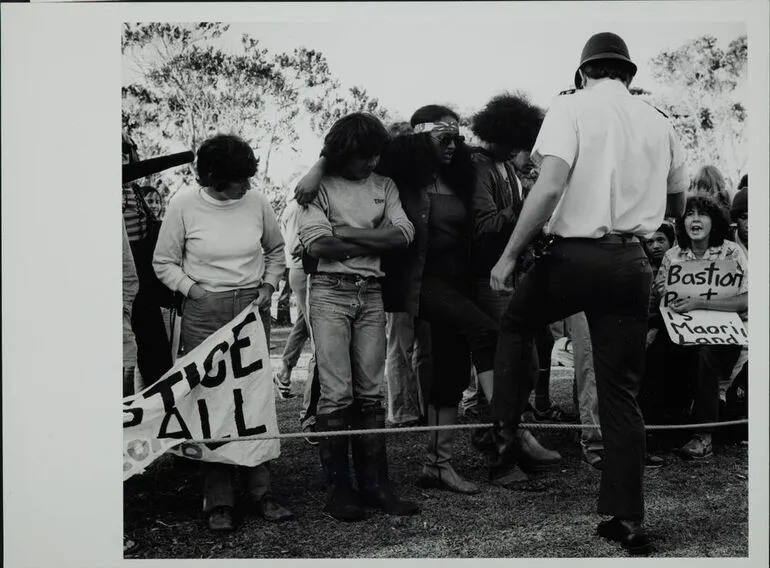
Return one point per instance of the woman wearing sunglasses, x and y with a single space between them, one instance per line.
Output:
431 280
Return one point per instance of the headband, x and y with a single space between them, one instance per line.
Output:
437 126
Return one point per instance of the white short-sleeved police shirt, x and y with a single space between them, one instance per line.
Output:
624 158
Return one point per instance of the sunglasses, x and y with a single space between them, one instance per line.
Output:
446 139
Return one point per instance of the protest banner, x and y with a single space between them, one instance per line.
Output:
707 279
221 389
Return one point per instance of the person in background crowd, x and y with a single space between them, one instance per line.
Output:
605 158
665 384
130 288
406 353
153 345
300 332
739 214
283 312
221 247
355 217
709 180
702 235
507 126
734 389
154 201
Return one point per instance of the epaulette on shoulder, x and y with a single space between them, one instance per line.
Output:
568 92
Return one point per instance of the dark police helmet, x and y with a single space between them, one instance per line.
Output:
605 45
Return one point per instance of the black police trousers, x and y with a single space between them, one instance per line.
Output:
609 279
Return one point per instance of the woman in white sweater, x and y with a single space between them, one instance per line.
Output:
221 247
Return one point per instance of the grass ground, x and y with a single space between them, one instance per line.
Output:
693 509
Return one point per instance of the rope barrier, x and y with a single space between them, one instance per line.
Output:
413 429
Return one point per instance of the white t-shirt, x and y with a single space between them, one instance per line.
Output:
624 158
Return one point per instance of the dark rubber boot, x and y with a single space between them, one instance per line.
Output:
343 503
371 465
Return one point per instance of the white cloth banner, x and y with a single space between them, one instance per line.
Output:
222 388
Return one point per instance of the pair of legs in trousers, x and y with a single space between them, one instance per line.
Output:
608 279
348 323
714 363
200 319
576 327
535 456
405 367
460 332
299 334
152 342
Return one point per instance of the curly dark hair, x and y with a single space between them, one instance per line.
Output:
509 120
225 158
412 163
720 225
609 69
356 135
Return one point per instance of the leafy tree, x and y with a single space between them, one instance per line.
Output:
703 101
333 105
182 86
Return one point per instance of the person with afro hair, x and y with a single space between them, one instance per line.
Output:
507 126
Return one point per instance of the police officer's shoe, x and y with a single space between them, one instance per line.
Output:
629 534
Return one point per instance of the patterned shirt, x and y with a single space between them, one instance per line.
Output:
134 215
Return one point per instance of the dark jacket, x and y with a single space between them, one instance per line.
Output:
404 163
496 208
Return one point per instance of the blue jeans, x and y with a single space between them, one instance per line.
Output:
294 344
348 323
201 318
401 369
576 327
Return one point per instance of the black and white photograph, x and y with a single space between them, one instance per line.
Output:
398 281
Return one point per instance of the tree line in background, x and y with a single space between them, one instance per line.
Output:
184 88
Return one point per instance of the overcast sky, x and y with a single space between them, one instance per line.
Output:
409 64
462 54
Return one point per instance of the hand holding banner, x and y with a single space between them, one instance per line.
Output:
223 388
709 280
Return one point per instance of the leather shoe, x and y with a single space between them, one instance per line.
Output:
593 458
629 534
220 519
532 455
271 510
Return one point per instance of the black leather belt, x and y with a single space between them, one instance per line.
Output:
609 238
356 278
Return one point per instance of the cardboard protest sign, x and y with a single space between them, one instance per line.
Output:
705 327
223 388
708 279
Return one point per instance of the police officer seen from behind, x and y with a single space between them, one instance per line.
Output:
611 168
